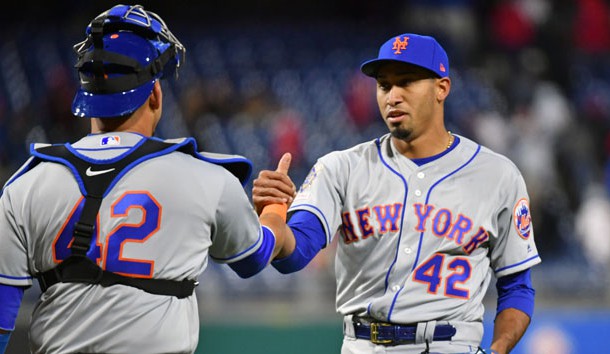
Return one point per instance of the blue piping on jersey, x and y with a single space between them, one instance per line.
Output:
328 235
257 243
517 264
421 235
256 261
15 278
402 216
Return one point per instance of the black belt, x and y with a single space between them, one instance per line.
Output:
394 334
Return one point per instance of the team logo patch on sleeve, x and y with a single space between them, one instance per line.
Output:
110 140
523 218
315 171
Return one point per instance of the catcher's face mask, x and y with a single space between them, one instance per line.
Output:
126 50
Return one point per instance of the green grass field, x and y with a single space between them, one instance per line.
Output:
323 338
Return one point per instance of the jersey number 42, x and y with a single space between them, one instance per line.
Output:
430 272
108 254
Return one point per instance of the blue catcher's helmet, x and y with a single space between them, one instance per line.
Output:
126 50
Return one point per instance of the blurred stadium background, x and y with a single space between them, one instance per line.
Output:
531 80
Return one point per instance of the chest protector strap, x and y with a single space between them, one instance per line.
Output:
78 267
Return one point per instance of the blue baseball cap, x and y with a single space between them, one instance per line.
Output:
423 51
89 102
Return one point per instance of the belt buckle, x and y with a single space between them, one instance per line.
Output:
375 333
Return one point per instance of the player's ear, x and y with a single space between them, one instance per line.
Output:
443 87
155 96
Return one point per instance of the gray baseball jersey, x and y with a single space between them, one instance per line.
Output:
419 243
163 219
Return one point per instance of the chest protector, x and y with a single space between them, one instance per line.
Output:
78 267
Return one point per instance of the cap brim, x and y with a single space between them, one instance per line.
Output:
371 67
95 105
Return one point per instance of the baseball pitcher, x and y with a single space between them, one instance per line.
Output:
424 219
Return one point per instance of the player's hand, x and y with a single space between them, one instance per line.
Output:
274 187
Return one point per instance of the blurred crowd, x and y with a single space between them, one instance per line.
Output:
530 80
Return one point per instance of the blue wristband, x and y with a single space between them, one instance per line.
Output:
4 341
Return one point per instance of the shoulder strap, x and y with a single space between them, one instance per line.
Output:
97 179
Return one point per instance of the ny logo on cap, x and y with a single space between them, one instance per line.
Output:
399 45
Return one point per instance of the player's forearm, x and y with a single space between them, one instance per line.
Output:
509 327
288 246
284 238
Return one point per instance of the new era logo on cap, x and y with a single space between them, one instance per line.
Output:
423 51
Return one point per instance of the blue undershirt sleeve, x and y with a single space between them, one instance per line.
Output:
10 301
310 239
258 260
4 338
516 291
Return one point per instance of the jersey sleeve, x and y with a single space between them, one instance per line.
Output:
256 261
514 249
13 246
322 193
237 232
